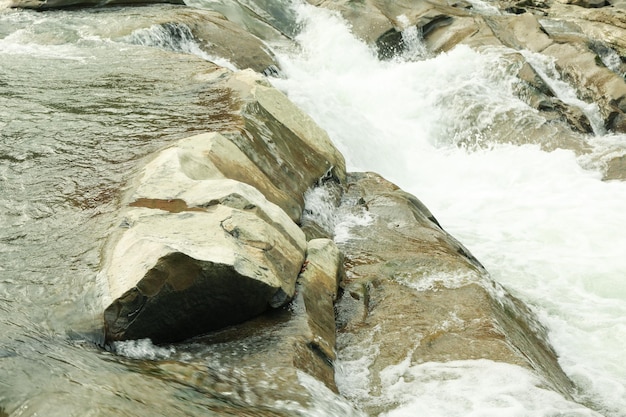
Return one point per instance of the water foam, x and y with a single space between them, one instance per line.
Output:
477 388
175 37
142 349
545 227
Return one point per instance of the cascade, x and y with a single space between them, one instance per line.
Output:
76 117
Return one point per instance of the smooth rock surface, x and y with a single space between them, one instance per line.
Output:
413 291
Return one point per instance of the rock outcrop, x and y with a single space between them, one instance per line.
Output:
413 292
566 32
57 4
213 233
209 235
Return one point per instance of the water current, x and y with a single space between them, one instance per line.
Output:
85 94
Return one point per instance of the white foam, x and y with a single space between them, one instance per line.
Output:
19 43
175 37
319 206
143 349
545 227
479 388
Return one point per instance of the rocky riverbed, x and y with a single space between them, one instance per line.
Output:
228 238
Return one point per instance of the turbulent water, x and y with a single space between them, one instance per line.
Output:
85 94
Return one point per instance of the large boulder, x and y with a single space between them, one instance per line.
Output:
57 4
183 267
280 363
413 291
209 235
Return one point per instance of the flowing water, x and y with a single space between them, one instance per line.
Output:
84 95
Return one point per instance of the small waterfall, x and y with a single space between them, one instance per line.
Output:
565 92
176 37
413 40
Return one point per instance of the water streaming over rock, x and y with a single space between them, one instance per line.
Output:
84 95
540 223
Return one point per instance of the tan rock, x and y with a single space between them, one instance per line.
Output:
180 169
209 236
413 291
180 269
275 348
284 142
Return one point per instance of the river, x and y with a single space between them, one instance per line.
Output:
81 103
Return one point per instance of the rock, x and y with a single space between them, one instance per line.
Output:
444 38
187 267
218 36
539 95
210 235
616 122
176 28
392 42
413 291
259 363
519 32
588 4
563 31
319 282
596 83
210 156
616 169
284 142
574 59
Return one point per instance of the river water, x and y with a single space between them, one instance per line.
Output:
81 102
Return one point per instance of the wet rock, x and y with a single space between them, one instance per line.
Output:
588 4
181 29
392 43
616 169
284 142
319 282
596 83
209 235
565 32
412 292
218 36
187 267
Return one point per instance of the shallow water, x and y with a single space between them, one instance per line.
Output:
543 223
